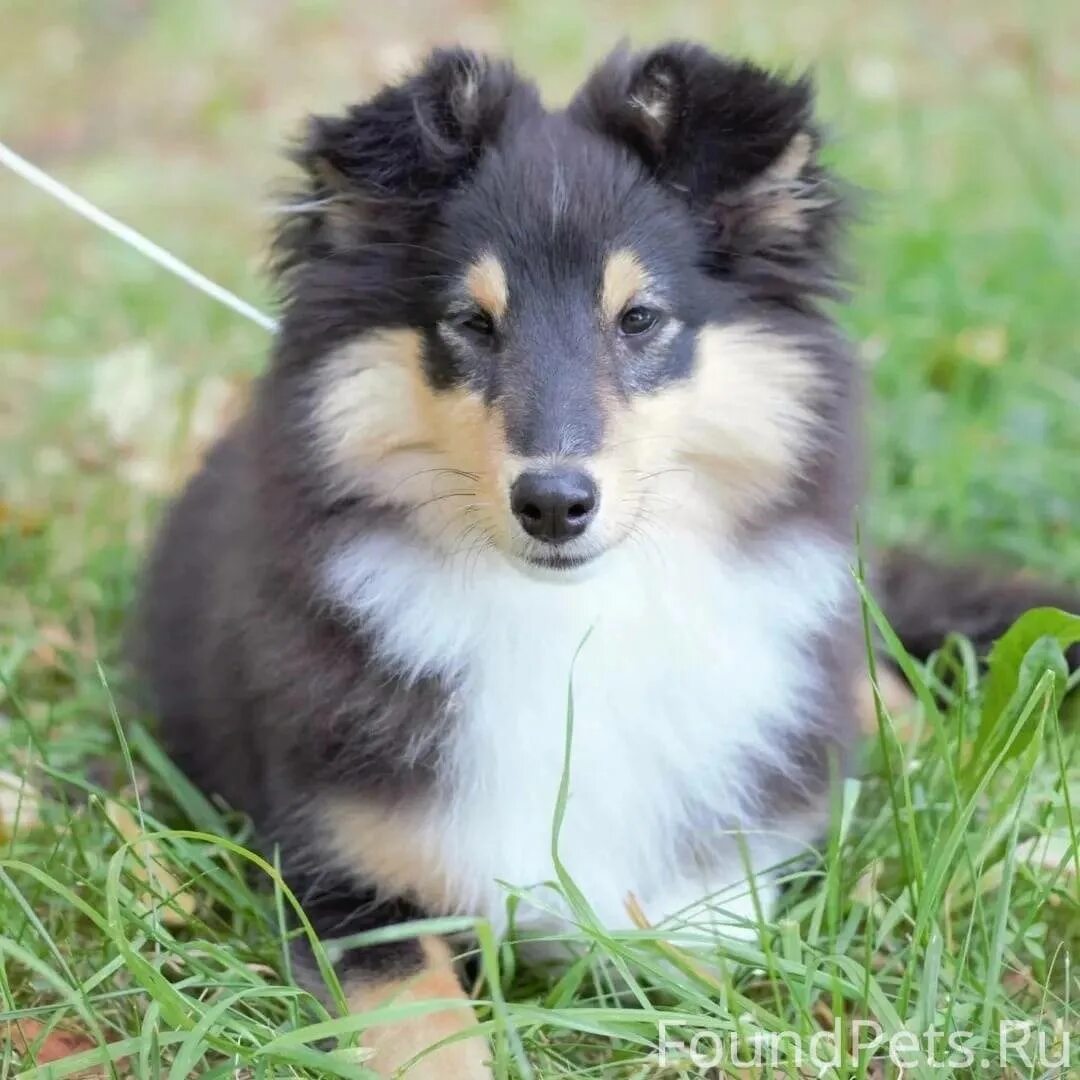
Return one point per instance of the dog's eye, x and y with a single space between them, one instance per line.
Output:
638 320
479 323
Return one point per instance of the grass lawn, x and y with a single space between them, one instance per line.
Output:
948 896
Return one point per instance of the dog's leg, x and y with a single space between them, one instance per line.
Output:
396 973
395 1044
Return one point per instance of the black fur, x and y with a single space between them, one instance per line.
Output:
722 124
341 910
926 598
389 163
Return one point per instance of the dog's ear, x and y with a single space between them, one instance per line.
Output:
739 144
381 170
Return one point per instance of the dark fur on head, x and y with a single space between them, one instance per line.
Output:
381 171
716 130
713 130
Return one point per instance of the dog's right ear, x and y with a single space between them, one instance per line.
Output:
379 171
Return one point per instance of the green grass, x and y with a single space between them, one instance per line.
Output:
933 905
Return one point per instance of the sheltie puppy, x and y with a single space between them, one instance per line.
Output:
554 410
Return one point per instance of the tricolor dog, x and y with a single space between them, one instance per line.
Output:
554 402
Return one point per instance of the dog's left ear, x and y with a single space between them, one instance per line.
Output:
735 141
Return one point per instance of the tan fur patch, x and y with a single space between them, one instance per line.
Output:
624 278
397 1043
385 431
486 284
722 444
897 699
384 845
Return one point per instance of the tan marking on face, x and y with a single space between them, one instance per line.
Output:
486 284
384 845
720 446
384 431
747 414
395 1043
624 278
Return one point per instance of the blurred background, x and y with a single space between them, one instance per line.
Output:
961 118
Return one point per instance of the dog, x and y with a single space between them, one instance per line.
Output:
557 411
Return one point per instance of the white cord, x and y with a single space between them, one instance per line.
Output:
131 237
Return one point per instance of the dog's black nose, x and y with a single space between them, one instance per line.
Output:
554 505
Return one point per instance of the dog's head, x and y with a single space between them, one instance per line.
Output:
545 331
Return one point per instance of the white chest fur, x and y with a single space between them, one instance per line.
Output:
694 663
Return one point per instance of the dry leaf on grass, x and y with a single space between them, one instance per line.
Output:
29 1036
40 1046
22 521
823 1014
19 805
54 641
1049 852
158 426
1021 980
986 345
865 891
174 906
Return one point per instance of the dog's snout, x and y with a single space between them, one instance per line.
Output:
554 505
